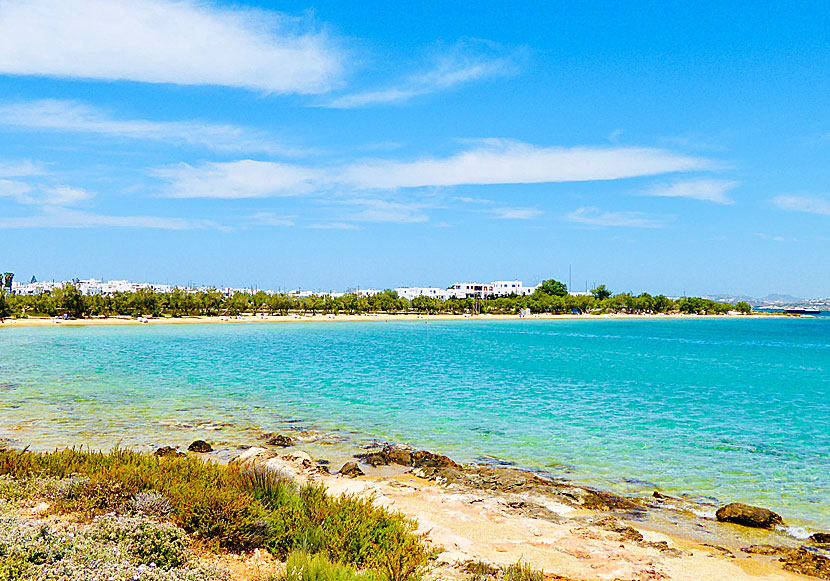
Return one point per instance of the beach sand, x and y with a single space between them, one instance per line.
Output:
319 318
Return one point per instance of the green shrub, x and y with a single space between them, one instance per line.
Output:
301 566
226 506
146 541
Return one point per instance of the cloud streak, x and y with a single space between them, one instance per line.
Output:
705 190
182 42
592 216
69 116
54 217
806 204
238 179
507 162
467 62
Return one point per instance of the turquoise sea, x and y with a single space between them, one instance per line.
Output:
732 409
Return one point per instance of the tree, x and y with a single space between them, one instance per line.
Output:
743 307
4 305
71 301
601 293
7 279
552 288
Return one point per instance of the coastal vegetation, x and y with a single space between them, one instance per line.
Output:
551 297
156 510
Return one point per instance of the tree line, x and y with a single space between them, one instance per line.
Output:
551 297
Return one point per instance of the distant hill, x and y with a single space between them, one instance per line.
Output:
779 298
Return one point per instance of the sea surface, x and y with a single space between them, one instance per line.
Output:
730 409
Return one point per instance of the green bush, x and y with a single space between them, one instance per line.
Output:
301 566
224 506
146 541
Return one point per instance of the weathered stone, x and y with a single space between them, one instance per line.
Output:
386 455
423 459
820 538
613 525
167 451
280 440
351 469
806 561
200 446
748 516
766 550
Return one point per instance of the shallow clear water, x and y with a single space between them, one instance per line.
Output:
736 409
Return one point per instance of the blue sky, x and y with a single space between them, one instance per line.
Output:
661 147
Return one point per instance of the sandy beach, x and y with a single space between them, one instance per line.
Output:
319 318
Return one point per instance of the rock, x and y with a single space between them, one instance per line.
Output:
281 468
613 525
251 454
748 516
423 459
387 454
200 446
806 561
351 469
820 538
766 550
280 440
165 451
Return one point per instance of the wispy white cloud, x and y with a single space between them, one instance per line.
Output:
333 226
271 219
387 211
238 179
185 42
509 162
808 204
55 217
57 115
516 213
20 169
705 189
29 194
18 191
591 216
466 62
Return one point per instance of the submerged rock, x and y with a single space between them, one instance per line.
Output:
807 562
820 538
165 451
766 550
748 516
424 459
351 469
280 440
200 446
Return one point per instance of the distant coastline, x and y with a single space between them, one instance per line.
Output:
372 317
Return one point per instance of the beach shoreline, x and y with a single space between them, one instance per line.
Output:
569 531
366 318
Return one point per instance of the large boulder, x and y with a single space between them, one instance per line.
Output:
820 538
351 469
200 446
748 516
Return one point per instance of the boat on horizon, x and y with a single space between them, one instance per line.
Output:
802 311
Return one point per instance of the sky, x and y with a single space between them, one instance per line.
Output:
672 147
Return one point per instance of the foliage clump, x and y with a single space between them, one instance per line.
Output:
218 506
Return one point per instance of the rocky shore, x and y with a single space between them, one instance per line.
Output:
498 515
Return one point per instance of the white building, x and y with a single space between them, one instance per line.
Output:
411 292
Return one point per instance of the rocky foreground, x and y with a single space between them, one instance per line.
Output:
500 515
